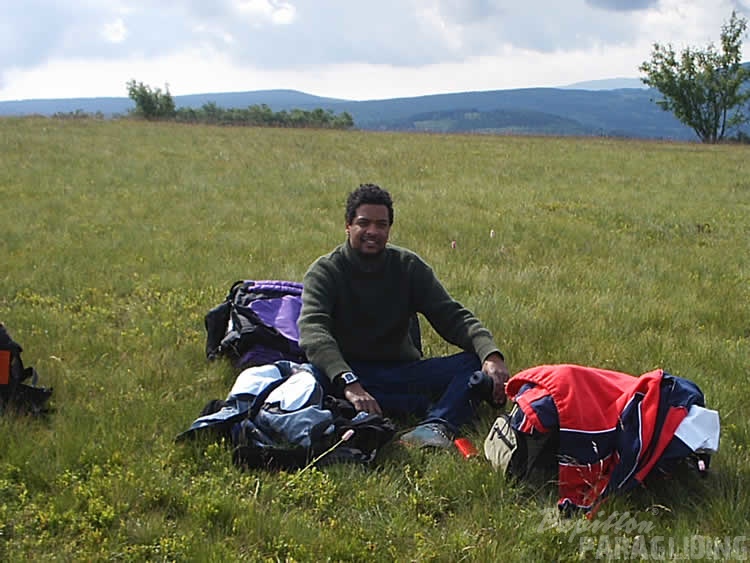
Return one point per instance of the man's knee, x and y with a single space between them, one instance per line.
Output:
464 363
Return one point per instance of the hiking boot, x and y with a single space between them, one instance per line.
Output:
429 435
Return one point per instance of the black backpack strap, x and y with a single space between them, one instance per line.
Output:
216 321
371 432
257 403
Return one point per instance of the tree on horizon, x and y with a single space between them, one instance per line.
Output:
703 88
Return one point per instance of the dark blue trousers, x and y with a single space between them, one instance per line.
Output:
435 389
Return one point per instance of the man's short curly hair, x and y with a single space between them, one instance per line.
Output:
368 194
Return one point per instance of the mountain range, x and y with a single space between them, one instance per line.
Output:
600 108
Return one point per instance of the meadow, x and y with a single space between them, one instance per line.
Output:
119 236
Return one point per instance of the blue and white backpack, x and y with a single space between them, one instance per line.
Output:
279 416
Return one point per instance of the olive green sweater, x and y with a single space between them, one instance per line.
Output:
356 309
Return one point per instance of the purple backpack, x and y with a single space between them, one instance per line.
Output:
256 324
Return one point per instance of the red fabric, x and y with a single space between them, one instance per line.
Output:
4 367
584 484
588 399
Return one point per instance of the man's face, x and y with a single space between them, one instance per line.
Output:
368 231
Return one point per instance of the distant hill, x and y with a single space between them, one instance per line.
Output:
607 84
493 122
276 99
107 106
624 112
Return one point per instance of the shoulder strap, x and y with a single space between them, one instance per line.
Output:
280 286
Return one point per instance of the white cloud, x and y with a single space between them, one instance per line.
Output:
213 33
115 32
338 48
280 13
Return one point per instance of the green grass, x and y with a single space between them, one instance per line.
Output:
118 237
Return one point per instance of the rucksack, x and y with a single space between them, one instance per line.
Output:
278 416
15 394
597 432
256 324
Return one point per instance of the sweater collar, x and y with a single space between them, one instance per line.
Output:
374 264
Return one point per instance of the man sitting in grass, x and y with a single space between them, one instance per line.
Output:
357 305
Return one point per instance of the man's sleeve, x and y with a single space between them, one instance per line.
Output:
316 321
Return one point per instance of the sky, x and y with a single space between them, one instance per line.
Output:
349 49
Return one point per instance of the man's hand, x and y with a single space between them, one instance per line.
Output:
361 399
494 366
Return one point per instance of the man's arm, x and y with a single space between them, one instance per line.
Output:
318 341
315 321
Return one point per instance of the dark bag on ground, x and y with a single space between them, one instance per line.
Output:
256 324
15 393
278 416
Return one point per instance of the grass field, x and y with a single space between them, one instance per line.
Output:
118 237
